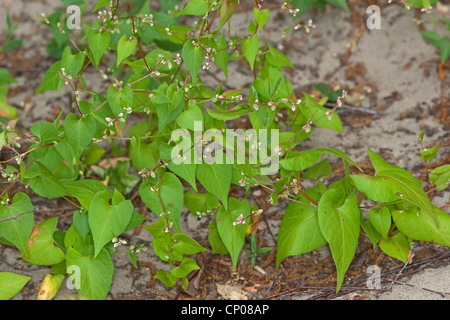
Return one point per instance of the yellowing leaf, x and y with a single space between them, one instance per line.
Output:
50 286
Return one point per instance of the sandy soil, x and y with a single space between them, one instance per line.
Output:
392 72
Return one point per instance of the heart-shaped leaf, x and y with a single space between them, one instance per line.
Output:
95 273
233 234
216 178
18 230
108 220
167 196
193 56
299 231
396 246
79 131
42 250
125 48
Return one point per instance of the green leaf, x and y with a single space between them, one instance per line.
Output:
92 154
81 223
193 57
121 179
221 57
305 159
440 176
119 99
339 3
95 273
84 190
125 48
101 4
215 240
108 220
227 115
79 131
52 78
6 77
216 178
250 47
157 228
186 171
186 245
233 236
186 119
417 225
168 112
433 37
381 220
319 170
261 17
72 63
170 193
17 231
302 5
429 153
45 133
373 234
339 221
8 109
195 8
166 278
277 58
142 154
187 266
392 183
11 284
314 110
199 203
396 246
226 11
46 185
299 231
98 43
42 250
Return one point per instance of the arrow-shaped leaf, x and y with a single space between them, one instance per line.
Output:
339 221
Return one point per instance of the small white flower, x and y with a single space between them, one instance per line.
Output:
307 127
239 220
242 182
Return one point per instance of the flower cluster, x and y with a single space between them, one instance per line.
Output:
307 27
239 220
104 15
146 172
110 121
44 18
294 104
9 176
138 249
117 242
66 77
222 98
148 19
208 59
166 229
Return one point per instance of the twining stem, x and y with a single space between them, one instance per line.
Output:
16 217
